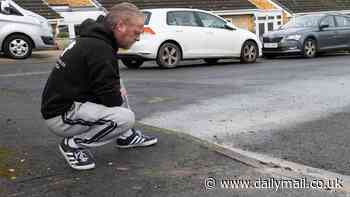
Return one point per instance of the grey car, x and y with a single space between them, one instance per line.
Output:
309 35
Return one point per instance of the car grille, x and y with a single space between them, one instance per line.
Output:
274 40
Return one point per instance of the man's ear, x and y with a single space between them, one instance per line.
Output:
121 26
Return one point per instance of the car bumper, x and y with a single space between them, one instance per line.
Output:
286 47
145 49
44 42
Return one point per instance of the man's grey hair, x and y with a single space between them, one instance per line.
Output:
122 12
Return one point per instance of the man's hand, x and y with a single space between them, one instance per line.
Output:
123 92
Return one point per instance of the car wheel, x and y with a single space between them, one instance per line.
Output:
310 48
132 63
211 60
18 47
249 52
169 55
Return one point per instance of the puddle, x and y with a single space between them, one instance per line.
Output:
8 168
151 100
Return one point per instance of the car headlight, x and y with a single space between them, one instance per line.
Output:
45 25
293 37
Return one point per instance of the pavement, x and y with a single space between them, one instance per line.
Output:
179 165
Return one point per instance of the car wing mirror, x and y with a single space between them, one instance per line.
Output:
5 7
230 27
324 26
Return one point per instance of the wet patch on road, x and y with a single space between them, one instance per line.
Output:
158 99
8 167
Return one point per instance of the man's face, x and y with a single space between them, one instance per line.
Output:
128 33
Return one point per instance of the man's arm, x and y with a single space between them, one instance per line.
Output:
104 79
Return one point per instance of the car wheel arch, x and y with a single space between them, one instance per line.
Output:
17 33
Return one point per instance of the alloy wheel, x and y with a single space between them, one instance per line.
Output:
249 52
19 47
169 55
310 48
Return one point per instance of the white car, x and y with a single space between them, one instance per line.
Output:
172 35
22 30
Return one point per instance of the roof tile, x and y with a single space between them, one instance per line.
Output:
198 4
300 6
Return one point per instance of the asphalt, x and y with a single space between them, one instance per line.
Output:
179 165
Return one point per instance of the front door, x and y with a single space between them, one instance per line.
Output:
184 27
220 41
343 29
328 36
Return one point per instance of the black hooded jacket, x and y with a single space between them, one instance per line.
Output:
86 71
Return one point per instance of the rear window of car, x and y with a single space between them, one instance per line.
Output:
147 17
342 21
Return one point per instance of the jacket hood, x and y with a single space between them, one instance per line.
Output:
98 29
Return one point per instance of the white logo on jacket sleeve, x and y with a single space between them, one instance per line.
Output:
60 63
70 46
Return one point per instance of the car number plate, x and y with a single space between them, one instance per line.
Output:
270 45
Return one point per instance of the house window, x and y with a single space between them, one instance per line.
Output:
271 17
63 28
261 29
262 18
270 26
279 17
77 30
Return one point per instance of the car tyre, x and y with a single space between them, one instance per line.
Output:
18 47
211 60
249 52
132 63
310 48
169 55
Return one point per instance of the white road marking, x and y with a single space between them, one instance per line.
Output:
24 74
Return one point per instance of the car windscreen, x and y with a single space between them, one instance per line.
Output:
303 21
147 17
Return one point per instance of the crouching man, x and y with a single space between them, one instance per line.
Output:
82 98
